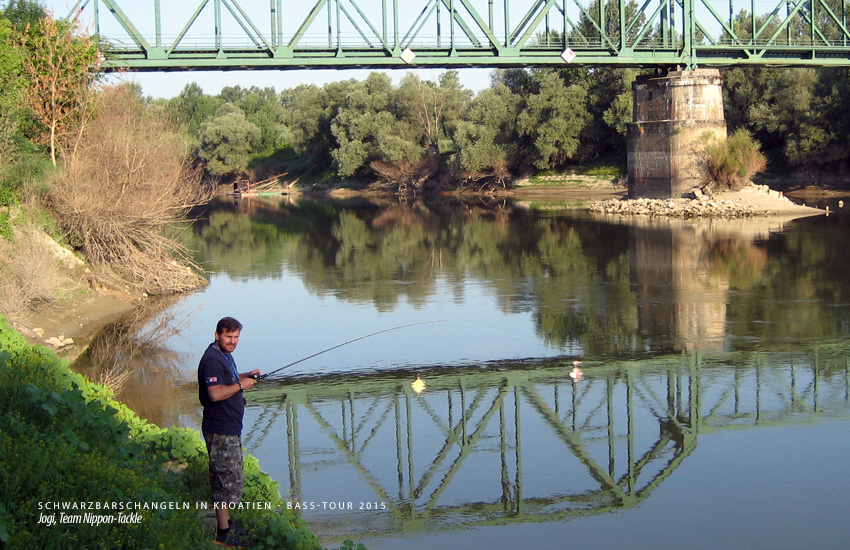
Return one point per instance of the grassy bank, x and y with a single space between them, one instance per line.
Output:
69 451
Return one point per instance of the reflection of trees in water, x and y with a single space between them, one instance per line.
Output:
737 259
802 291
128 356
588 282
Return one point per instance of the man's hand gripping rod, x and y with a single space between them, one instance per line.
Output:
261 376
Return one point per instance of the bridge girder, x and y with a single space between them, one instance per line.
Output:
333 34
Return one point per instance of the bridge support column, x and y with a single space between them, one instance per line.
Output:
664 143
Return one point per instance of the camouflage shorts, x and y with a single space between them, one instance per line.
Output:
225 467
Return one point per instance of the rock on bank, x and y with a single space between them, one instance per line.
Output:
754 200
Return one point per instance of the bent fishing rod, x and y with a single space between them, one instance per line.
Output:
261 376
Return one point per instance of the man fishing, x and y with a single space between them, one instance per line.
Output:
220 388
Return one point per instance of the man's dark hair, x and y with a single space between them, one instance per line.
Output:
227 324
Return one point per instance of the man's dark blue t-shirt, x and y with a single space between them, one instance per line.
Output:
220 417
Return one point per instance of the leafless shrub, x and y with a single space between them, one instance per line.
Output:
407 174
490 178
124 190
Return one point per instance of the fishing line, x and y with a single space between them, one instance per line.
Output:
261 376
493 331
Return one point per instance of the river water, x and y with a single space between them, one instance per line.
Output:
552 378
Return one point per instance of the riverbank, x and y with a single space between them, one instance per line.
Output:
97 474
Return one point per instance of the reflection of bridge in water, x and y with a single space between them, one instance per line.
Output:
521 441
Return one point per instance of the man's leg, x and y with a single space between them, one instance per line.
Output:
226 477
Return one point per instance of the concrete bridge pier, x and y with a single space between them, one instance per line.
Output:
665 143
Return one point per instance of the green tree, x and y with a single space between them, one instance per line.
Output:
591 30
834 88
23 14
368 129
312 111
435 107
486 138
263 108
12 86
790 110
225 140
192 107
609 103
553 120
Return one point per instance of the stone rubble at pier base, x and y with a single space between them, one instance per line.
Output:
699 206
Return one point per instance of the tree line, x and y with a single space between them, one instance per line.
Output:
528 120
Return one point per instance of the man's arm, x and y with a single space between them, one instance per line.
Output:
222 392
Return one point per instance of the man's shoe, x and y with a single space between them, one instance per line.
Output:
236 529
230 539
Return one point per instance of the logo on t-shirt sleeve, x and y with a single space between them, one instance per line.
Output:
212 380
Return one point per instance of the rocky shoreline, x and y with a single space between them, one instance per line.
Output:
755 200
676 208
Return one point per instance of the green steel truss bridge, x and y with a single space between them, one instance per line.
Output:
385 34
522 442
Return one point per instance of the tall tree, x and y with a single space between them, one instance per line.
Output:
22 13
790 111
370 133
311 113
554 119
61 65
486 138
225 140
263 108
192 108
433 106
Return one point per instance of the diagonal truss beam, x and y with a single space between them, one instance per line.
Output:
236 34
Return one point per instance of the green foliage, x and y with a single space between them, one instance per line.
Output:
26 175
5 226
192 107
374 128
486 137
225 140
262 108
553 119
433 107
22 13
312 113
591 30
731 163
798 115
82 446
11 93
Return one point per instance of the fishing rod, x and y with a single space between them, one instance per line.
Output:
261 376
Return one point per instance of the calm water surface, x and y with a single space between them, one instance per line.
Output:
710 408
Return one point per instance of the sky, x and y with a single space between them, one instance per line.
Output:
176 12
168 85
